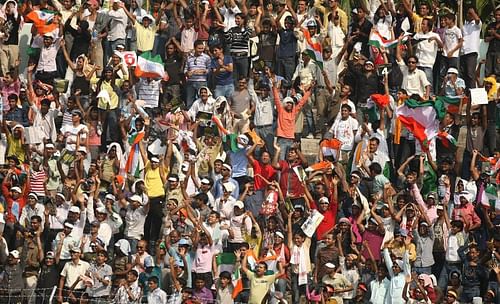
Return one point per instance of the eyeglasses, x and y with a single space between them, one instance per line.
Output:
225 169
324 203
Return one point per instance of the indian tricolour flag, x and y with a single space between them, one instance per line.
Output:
40 17
313 48
447 139
378 41
149 66
421 119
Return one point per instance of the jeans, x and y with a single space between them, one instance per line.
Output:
445 273
286 67
133 245
426 270
492 65
285 144
428 75
468 293
468 63
308 113
491 132
267 135
192 88
224 90
159 46
241 65
297 290
152 225
466 160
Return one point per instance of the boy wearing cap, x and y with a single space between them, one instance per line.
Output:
64 242
101 273
226 182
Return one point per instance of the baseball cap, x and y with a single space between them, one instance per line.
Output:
74 209
110 197
280 234
50 255
14 254
239 204
33 195
452 71
68 225
330 265
155 159
16 189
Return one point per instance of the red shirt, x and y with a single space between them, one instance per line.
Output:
375 242
14 208
289 181
266 171
328 222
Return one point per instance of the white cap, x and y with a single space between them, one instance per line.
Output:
75 249
69 225
155 159
228 166
243 138
280 234
173 179
33 194
324 199
288 100
101 210
330 265
135 198
14 254
74 209
16 189
82 149
239 204
399 263
205 181
50 145
452 71
110 197
229 187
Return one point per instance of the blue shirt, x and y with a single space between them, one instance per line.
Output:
288 44
218 191
239 161
223 78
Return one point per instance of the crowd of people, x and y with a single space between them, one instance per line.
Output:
159 151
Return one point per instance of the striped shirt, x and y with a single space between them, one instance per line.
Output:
237 38
149 91
37 182
201 62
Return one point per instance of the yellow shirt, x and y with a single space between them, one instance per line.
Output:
15 148
112 103
153 182
145 37
344 22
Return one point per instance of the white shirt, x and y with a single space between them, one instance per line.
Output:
72 272
413 82
57 221
70 133
426 50
451 38
134 220
117 25
69 242
198 105
344 130
472 36
28 212
47 61
229 14
157 296
238 223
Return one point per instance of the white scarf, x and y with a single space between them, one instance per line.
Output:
298 258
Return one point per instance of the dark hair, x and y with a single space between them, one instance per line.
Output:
413 57
104 253
346 106
12 96
375 168
217 214
134 273
197 43
202 197
450 16
375 140
225 275
457 224
153 279
37 217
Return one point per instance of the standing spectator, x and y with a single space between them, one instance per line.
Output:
196 70
471 32
492 36
237 39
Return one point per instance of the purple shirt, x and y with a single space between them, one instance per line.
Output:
204 295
